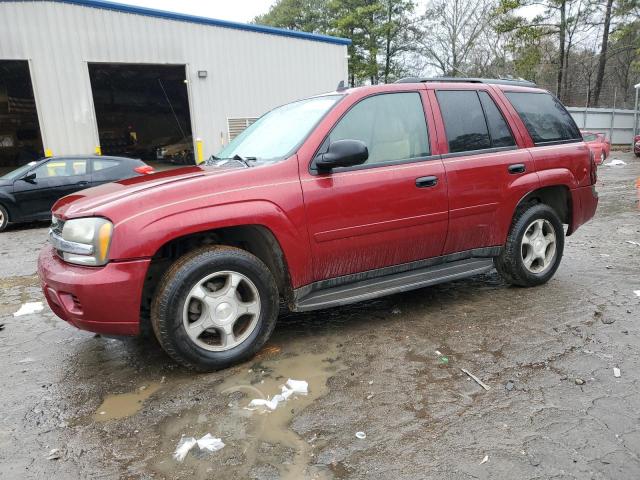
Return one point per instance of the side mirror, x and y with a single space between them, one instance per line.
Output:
30 178
342 153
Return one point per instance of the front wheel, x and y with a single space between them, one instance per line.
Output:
215 307
534 247
4 218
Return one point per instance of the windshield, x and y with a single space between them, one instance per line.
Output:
277 133
18 172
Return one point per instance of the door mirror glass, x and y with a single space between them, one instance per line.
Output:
342 153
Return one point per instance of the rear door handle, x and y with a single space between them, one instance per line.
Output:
517 168
82 184
430 181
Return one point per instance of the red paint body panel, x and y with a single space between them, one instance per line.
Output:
327 225
107 298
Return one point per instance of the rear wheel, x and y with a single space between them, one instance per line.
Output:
534 247
215 307
4 218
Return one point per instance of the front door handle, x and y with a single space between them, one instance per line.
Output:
517 168
430 181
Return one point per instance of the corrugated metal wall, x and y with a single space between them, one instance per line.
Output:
616 124
248 72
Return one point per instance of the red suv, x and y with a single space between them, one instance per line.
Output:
323 202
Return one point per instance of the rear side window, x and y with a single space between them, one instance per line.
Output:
464 120
589 137
104 164
544 116
498 129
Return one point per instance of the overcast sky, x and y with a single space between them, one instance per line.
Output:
235 10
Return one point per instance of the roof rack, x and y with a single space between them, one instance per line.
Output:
497 81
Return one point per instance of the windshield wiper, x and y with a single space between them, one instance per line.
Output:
244 160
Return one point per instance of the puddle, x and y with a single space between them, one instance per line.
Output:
255 439
272 427
125 404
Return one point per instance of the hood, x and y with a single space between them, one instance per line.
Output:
104 198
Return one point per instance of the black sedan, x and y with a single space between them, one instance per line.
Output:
29 192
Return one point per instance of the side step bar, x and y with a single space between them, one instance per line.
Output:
394 283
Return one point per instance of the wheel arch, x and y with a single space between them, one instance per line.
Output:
256 239
558 197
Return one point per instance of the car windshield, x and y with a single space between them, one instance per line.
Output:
18 172
278 133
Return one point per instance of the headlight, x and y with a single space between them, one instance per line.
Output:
83 241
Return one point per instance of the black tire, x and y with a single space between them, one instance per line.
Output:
4 218
510 264
171 295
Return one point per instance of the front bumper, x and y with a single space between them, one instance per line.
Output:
98 299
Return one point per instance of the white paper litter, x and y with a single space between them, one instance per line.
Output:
210 443
298 386
184 445
615 163
291 387
29 308
616 372
485 459
637 292
633 243
206 442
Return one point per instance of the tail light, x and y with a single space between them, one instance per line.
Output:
594 168
144 169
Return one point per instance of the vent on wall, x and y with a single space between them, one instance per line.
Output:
235 126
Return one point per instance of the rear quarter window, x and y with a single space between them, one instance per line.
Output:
545 117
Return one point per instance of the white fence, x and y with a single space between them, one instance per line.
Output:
616 124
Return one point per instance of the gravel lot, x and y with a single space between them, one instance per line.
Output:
554 408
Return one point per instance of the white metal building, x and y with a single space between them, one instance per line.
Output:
232 71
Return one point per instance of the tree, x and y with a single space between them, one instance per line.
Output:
613 10
451 30
561 18
302 15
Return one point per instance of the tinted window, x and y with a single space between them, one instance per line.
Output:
498 129
392 126
104 164
464 120
544 116
61 168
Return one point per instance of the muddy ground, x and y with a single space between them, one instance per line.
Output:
372 367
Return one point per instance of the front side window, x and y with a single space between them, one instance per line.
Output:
464 120
391 125
544 116
278 133
61 168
